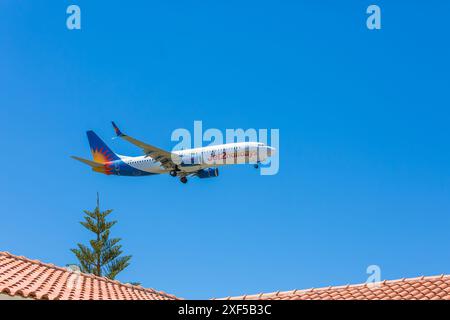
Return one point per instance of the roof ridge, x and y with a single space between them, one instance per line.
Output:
301 291
88 275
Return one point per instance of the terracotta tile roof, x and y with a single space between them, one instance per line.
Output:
421 288
20 276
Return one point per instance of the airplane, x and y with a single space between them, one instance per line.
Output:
198 162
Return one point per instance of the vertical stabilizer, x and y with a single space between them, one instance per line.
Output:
101 153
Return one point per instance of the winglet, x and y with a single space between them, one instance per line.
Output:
117 130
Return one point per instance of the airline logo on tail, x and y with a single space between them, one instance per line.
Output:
101 153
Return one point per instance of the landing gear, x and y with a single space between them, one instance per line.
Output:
183 179
174 171
256 165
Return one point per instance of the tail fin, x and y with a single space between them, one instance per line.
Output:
101 153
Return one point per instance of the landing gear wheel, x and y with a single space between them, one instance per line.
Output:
183 179
173 173
256 166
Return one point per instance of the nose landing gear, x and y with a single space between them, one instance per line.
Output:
183 179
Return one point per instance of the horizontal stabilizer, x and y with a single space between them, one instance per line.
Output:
93 164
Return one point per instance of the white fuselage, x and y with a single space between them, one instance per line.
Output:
206 157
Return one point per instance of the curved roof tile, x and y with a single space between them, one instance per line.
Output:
34 279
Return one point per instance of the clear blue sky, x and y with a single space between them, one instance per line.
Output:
363 117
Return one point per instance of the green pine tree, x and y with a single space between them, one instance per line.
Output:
102 258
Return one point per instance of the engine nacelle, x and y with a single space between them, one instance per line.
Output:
208 173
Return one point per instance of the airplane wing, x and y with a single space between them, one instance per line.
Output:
167 159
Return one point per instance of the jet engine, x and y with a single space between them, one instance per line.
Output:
208 173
